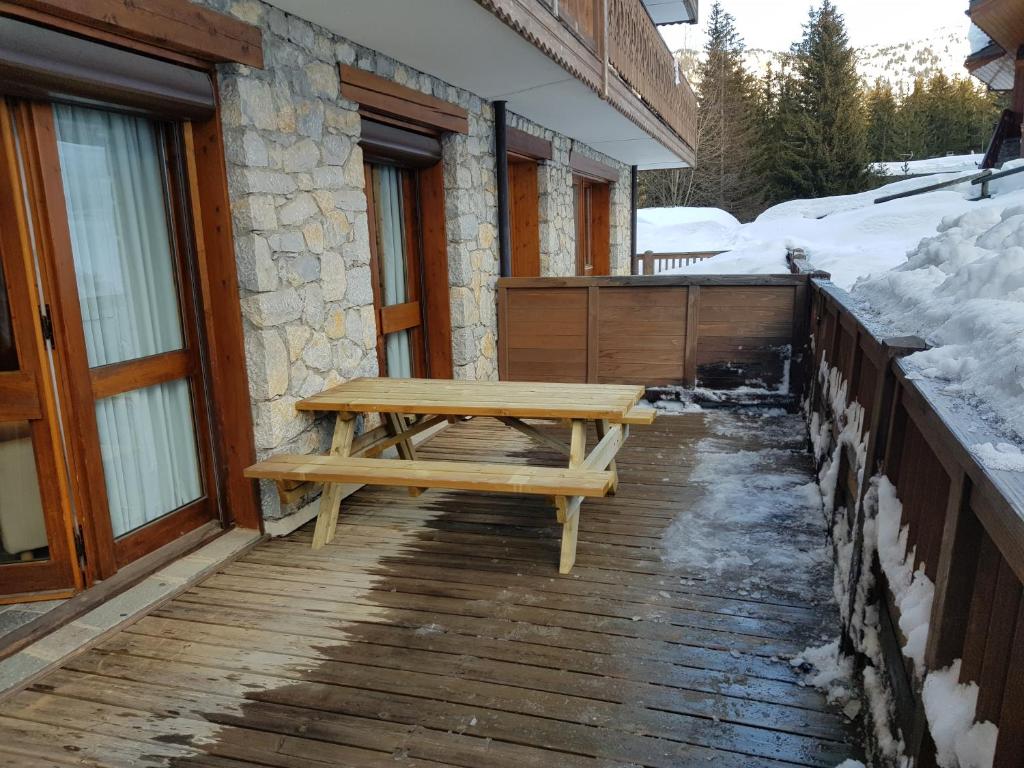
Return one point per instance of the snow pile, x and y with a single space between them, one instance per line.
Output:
829 670
947 164
912 589
949 707
962 290
672 230
848 236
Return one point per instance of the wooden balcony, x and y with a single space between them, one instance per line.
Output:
615 48
435 631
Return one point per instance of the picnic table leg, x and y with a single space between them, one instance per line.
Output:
603 425
330 498
569 507
395 423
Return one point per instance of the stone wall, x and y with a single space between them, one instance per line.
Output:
557 218
296 181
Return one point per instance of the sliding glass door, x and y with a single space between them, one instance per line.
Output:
105 194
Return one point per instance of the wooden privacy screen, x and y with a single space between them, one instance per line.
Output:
964 524
722 331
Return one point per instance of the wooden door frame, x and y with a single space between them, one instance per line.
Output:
205 202
593 219
524 215
59 575
198 38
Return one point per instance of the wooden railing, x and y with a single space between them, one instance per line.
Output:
642 59
719 332
650 263
965 525
622 40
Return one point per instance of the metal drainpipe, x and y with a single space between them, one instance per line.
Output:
501 160
632 225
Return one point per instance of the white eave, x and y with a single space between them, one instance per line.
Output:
672 11
466 45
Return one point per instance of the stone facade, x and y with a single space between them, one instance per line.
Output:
296 180
557 217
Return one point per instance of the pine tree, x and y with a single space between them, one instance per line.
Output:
831 129
726 171
883 122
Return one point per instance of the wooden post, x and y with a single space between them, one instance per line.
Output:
593 333
571 522
330 499
690 340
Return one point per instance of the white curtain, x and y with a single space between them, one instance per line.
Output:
393 266
112 168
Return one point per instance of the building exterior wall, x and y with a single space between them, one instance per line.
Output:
295 175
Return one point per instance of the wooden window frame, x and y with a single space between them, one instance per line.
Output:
427 261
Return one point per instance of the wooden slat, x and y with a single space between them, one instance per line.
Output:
433 631
453 475
176 25
114 379
376 94
426 396
399 317
20 396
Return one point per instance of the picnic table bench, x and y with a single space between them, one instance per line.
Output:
411 406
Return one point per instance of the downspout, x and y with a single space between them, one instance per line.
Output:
501 161
633 265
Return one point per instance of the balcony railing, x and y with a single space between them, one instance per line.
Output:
639 55
619 38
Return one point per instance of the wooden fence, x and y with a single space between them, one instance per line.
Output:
720 332
964 525
650 263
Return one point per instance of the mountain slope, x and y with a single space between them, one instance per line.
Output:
943 51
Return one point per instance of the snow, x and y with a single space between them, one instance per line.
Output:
978 40
759 511
962 290
940 265
912 589
848 236
947 164
701 229
950 709
1001 456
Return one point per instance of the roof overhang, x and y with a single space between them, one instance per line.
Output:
672 11
1001 20
993 66
466 45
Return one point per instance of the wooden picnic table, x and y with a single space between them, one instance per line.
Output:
411 406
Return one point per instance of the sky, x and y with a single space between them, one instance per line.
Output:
775 24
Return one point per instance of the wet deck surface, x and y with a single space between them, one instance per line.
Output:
437 631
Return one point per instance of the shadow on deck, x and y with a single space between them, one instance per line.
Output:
437 631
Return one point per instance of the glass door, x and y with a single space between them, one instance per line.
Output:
37 554
395 267
111 193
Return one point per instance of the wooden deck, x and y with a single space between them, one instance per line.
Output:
436 631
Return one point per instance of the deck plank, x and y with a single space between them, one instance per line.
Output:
435 631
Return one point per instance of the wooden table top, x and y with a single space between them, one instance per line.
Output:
477 398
